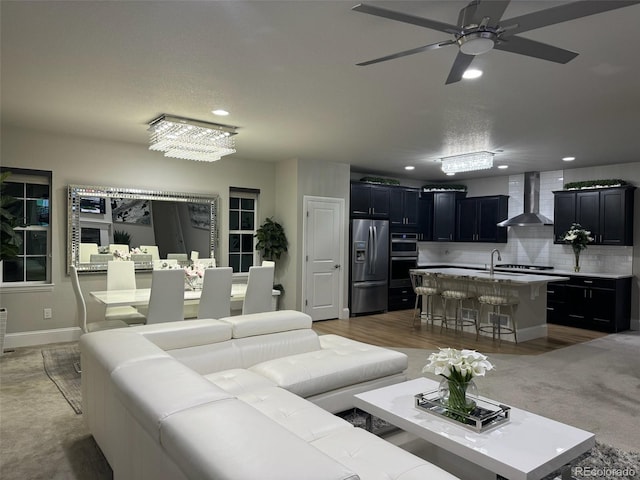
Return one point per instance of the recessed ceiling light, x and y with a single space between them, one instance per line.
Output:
502 167
450 174
220 112
409 167
568 159
472 73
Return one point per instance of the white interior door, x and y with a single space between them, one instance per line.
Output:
323 257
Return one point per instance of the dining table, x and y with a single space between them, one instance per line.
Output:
139 297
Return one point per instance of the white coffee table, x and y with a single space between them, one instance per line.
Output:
528 447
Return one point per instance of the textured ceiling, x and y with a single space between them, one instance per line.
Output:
286 72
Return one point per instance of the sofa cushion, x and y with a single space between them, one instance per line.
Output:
373 458
156 388
209 358
267 322
112 348
306 420
347 362
238 381
230 440
185 333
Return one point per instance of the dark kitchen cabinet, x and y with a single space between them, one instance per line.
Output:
594 303
425 217
477 218
557 303
401 298
607 213
403 206
444 215
370 201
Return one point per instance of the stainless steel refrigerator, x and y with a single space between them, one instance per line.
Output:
369 265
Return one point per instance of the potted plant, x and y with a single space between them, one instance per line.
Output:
121 237
272 243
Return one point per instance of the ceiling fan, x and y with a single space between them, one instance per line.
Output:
481 29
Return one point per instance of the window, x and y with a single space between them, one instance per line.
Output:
243 205
31 190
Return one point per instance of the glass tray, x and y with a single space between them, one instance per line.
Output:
485 416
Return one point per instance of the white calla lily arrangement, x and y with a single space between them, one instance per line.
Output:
458 365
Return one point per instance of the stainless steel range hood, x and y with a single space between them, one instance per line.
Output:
531 216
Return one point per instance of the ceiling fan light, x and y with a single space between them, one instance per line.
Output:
476 43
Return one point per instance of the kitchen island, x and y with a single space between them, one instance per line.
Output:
530 290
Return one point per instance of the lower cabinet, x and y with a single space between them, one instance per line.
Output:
401 298
593 303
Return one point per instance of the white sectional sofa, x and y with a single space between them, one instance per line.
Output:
240 398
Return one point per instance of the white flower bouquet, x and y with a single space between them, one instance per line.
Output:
460 364
578 238
458 367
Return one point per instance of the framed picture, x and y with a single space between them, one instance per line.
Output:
127 210
200 215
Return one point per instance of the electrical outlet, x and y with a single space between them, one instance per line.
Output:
48 313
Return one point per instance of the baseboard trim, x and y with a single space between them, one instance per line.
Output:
526 334
41 337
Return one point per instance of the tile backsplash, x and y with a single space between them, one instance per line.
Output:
532 245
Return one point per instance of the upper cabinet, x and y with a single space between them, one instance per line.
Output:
444 215
403 206
607 213
369 200
477 219
425 217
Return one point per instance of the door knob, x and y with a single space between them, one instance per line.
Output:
336 266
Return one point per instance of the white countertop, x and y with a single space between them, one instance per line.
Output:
528 272
484 275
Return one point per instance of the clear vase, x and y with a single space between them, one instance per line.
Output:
458 395
576 266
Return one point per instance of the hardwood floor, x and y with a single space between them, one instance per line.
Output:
394 329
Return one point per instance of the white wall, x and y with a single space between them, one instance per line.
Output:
83 161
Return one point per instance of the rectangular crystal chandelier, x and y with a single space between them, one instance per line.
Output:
467 162
189 139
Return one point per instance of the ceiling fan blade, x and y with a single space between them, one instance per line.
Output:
406 18
424 48
563 13
478 10
460 65
531 48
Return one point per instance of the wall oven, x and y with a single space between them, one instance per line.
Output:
403 257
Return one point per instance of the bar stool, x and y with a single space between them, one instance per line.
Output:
456 290
496 300
425 285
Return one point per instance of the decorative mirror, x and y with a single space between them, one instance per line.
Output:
106 223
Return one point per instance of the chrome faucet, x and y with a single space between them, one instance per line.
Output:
495 250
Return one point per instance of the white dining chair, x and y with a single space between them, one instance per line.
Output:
121 275
268 263
151 250
180 257
258 296
121 247
215 299
86 250
166 302
81 305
